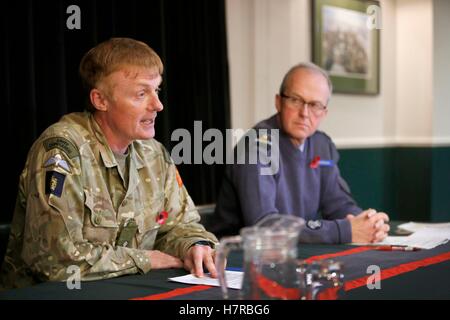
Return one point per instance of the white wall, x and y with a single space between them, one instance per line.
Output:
267 37
414 105
239 15
441 79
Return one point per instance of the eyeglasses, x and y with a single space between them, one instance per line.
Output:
316 107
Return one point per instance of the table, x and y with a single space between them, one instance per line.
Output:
423 274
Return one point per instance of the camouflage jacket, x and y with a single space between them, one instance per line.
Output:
72 205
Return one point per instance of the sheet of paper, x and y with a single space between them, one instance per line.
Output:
416 226
425 238
234 279
420 239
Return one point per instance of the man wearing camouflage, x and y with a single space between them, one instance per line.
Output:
98 192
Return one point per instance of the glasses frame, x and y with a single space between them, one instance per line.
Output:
316 107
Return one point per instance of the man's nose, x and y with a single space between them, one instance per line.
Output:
304 110
155 104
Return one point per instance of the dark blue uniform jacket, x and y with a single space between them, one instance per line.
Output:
307 184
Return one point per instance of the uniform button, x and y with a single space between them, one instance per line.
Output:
98 219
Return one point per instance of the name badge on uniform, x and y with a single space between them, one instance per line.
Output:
317 162
127 233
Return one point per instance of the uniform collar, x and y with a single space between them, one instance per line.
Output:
135 156
105 151
107 154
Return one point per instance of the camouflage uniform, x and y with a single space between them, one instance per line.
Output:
72 204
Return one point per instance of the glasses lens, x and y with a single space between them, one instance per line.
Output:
317 107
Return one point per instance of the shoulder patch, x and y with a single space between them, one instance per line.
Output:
57 161
62 144
54 183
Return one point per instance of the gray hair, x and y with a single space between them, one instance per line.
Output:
308 66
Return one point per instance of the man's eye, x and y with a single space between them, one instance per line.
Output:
157 91
141 94
296 101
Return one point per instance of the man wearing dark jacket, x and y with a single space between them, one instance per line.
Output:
306 181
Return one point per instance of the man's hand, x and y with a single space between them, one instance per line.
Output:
198 255
161 260
369 226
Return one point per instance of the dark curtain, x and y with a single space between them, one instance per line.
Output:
39 58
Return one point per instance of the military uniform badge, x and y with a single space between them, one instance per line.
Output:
264 139
57 161
54 183
314 224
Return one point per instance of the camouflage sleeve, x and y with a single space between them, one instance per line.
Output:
54 228
182 228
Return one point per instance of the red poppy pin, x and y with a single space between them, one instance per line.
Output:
315 163
162 217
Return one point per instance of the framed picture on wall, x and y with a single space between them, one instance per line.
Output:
346 43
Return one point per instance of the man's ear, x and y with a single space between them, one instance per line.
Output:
278 102
98 100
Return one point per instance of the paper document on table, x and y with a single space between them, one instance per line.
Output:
424 238
416 226
234 279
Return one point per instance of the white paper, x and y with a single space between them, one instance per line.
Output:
234 279
416 226
425 238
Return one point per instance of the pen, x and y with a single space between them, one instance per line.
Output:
396 248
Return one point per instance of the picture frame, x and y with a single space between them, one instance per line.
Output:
346 43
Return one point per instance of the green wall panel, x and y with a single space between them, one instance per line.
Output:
407 183
440 196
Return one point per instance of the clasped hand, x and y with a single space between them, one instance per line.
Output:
369 226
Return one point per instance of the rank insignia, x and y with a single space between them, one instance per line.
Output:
54 183
314 224
264 139
57 161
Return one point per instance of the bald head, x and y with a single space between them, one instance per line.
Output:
309 67
303 89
